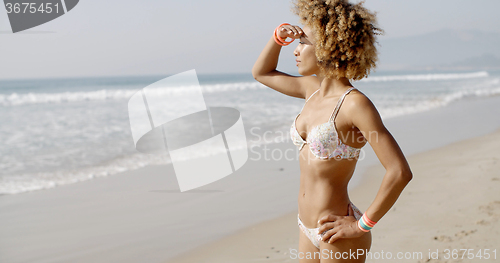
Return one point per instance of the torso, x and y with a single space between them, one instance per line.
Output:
323 182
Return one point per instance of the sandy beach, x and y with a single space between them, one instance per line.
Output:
140 215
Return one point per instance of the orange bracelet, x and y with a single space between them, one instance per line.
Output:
368 221
279 40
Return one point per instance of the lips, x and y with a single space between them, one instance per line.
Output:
298 61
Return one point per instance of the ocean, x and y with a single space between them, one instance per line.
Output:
61 131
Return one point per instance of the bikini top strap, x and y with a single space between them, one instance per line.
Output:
337 108
308 99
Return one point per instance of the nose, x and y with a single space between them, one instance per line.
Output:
296 51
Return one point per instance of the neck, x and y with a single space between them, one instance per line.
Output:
333 87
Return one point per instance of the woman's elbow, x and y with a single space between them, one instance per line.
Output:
405 175
255 73
401 176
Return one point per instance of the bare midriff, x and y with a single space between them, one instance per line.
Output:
323 187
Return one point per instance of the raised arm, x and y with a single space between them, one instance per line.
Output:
264 69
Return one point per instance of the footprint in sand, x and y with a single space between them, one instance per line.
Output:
443 238
429 260
458 235
492 210
465 233
482 222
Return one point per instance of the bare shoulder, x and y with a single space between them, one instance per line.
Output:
357 100
360 108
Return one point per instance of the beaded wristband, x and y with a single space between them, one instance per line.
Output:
365 224
279 40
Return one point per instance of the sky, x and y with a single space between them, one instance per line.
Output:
164 37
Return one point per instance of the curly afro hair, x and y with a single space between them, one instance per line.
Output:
344 36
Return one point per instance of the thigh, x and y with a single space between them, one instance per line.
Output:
308 252
352 250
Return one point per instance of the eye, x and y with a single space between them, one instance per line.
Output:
300 42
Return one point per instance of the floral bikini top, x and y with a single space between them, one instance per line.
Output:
323 140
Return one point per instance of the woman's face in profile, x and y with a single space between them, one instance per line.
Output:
305 54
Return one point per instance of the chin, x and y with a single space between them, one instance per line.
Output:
305 72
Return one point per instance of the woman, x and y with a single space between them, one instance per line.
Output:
336 44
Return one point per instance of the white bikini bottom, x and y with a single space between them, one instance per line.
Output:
313 233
